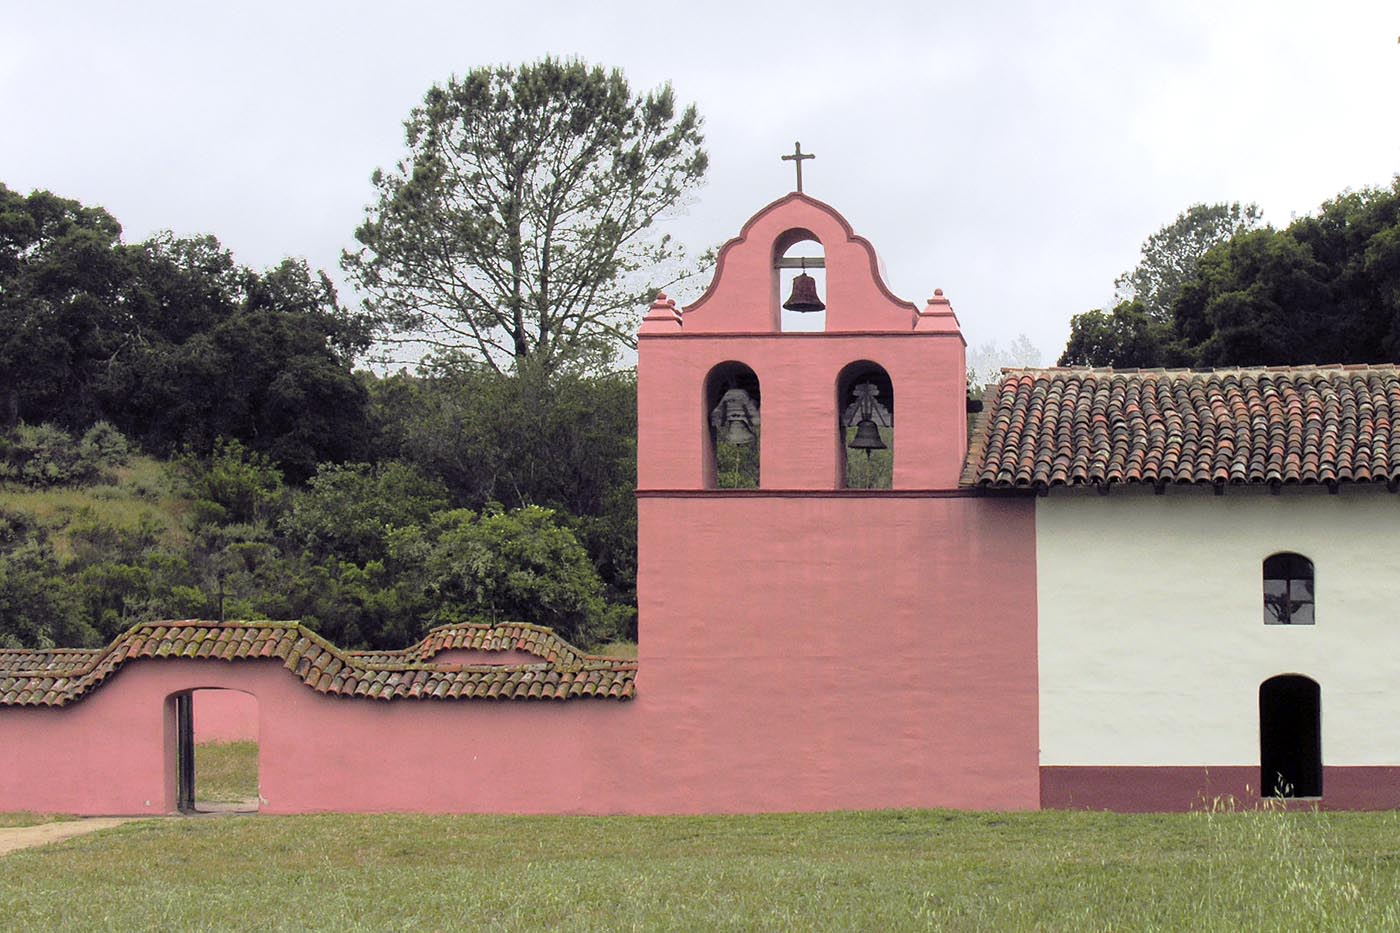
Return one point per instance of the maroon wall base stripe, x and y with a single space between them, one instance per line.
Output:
1166 789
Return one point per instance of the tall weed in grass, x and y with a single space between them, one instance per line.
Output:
1282 864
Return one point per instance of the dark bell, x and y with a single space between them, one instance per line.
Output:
804 295
736 432
867 437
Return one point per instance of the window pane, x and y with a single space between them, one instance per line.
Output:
1275 602
1301 594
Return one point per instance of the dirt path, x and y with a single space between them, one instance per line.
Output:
14 838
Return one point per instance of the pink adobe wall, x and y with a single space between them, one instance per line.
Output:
225 716
113 752
808 647
788 665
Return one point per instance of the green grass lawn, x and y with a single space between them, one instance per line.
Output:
26 818
225 772
887 870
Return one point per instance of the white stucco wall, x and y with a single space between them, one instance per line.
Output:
1151 641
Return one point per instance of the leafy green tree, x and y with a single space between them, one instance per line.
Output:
520 225
521 566
60 274
1171 255
38 606
1324 290
566 442
1138 330
233 486
1127 336
349 512
171 340
264 358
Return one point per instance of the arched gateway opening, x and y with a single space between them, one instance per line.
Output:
1290 736
215 750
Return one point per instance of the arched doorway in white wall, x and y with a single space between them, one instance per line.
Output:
216 751
1290 737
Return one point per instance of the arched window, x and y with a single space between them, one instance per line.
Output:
1290 737
865 427
1288 590
732 403
799 264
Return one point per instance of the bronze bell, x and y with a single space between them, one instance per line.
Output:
736 432
867 437
804 295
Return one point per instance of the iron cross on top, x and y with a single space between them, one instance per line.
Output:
797 156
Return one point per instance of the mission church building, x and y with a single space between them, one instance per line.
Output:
857 588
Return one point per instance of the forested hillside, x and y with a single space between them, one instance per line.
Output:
181 435
185 437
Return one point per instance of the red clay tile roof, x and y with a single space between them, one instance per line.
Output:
60 676
1042 428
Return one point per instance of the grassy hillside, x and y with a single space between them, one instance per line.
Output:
141 491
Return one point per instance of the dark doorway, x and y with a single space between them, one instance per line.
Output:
184 752
1290 736
216 752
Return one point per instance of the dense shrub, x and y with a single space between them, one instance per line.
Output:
45 455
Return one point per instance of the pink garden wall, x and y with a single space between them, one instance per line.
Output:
113 752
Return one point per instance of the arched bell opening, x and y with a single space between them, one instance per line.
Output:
733 426
799 281
1290 737
865 427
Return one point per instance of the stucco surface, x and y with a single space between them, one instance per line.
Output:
813 653
225 716
114 752
1152 642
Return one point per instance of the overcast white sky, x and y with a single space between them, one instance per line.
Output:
1014 154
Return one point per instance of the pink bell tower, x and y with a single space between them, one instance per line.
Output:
740 318
806 645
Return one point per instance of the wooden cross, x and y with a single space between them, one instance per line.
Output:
797 156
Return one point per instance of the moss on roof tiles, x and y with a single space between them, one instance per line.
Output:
60 676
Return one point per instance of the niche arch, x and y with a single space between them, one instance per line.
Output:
797 252
733 403
865 418
1290 737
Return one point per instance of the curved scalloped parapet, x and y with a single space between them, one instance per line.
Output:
743 297
61 676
